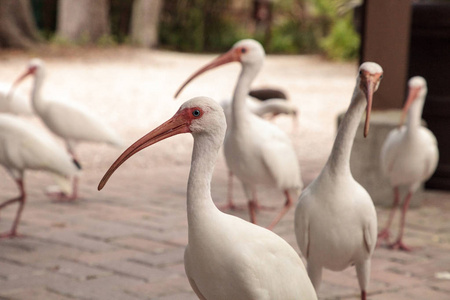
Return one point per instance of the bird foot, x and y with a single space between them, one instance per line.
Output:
10 235
383 236
398 245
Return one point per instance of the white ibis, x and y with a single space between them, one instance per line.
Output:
226 257
24 147
71 121
256 151
335 219
15 103
269 108
409 155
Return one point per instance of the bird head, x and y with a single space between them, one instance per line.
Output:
417 88
247 52
369 78
199 116
35 65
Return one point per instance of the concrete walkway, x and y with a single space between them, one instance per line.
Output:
127 241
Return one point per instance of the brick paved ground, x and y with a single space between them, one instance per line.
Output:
127 241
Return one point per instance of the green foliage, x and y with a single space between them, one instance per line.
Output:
107 40
343 42
198 25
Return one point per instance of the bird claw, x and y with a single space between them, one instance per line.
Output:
398 245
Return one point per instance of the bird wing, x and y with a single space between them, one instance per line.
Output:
390 149
279 157
73 121
432 157
301 222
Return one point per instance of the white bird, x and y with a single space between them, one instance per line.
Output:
15 103
409 155
226 257
266 108
24 147
335 219
256 151
71 121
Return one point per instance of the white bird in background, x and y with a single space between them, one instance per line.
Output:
256 151
23 147
15 103
266 108
68 120
226 257
409 155
335 219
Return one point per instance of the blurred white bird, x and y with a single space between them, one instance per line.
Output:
71 121
16 102
226 257
268 108
335 219
24 147
409 156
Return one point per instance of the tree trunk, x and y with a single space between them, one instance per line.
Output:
83 20
17 25
144 22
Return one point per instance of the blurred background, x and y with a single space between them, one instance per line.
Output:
282 26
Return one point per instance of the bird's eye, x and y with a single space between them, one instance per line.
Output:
360 72
196 113
381 76
243 50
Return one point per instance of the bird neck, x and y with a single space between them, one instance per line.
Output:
240 111
339 160
199 201
414 116
36 98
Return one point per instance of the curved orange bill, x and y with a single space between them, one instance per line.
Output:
225 58
18 80
412 94
179 123
369 90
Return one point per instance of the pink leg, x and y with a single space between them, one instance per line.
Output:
398 244
253 206
363 295
21 199
384 234
286 207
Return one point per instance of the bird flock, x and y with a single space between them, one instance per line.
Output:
226 257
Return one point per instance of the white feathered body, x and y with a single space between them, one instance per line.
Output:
15 103
261 153
233 259
76 123
335 222
23 146
409 157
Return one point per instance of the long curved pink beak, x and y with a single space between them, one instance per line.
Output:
179 123
230 56
29 71
369 88
412 95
